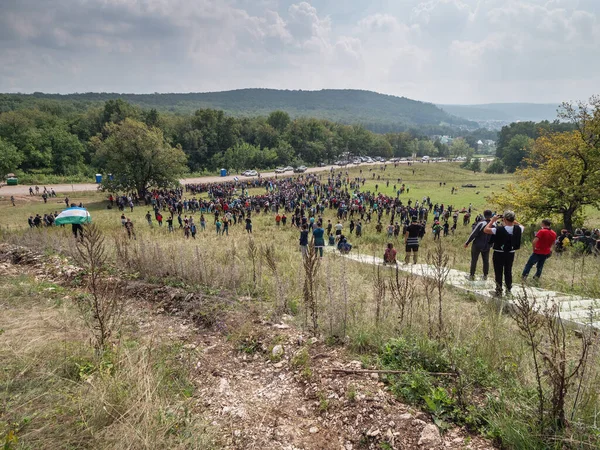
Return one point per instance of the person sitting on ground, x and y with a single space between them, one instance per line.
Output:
389 256
343 245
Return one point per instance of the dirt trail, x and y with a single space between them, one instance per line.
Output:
253 400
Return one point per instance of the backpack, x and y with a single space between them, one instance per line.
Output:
508 242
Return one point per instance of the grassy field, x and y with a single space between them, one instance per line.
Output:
350 306
564 274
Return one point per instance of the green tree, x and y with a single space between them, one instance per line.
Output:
10 158
476 165
118 110
279 120
459 147
516 151
497 166
67 152
138 158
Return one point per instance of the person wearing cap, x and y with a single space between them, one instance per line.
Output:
481 246
507 240
542 249
411 239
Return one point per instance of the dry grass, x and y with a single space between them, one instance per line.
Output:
56 393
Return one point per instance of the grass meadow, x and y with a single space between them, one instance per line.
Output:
388 320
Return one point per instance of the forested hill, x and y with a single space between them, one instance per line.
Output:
377 112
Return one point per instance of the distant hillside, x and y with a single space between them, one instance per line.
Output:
505 112
346 106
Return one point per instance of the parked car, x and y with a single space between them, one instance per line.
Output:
322 164
288 169
300 169
250 173
280 170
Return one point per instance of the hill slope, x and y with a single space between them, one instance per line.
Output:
506 112
347 106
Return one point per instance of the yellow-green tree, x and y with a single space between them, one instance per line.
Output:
563 173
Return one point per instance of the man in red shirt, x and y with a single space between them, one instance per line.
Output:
542 249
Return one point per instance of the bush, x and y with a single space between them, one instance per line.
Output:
497 166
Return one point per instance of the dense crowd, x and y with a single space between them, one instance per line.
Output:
302 202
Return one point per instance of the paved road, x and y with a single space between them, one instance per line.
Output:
80 187
575 310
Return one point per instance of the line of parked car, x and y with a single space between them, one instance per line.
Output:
356 160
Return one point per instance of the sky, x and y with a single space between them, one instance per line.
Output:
440 51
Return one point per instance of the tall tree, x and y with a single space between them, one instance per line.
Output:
10 158
138 158
279 120
562 177
516 151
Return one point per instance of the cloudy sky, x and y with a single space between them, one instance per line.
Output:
443 51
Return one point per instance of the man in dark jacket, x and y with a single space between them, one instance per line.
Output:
481 246
506 241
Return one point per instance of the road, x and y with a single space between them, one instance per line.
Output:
80 187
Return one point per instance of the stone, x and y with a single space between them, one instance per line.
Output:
277 351
375 376
405 416
313 430
430 437
373 433
223 385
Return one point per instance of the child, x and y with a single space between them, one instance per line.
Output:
331 239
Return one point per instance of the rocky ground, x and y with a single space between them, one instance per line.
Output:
265 385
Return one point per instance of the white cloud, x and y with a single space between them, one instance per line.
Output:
437 50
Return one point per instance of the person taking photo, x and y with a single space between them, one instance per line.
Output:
507 240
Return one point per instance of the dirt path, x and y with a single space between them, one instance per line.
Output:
254 397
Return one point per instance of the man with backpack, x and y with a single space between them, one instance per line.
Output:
481 246
507 239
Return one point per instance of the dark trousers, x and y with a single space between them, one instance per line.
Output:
535 260
485 257
503 263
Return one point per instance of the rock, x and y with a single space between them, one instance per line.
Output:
223 385
373 433
277 351
313 340
405 416
313 430
418 423
375 376
281 326
430 437
278 365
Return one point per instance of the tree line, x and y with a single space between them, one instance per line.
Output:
65 138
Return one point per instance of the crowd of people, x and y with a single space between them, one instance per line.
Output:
303 202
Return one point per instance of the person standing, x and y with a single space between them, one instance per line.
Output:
481 246
304 240
411 239
507 240
319 237
542 249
